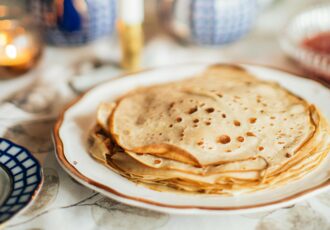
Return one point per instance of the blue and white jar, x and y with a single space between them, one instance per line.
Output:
74 22
209 22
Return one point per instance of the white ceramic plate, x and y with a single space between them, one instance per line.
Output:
71 131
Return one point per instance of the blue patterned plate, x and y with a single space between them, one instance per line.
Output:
20 179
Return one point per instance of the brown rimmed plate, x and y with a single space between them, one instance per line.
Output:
71 130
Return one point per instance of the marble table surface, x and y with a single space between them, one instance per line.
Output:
33 102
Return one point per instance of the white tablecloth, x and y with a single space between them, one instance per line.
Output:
63 73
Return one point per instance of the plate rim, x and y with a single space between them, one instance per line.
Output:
34 193
141 202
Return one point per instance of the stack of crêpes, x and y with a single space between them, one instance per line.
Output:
222 132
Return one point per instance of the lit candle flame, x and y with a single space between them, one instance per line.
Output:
11 51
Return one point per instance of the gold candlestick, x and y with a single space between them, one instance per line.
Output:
131 38
131 14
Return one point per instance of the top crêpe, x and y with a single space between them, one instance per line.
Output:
223 115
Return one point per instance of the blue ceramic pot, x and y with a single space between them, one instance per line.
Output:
221 21
74 22
208 22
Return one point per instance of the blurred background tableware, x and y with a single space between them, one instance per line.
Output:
74 22
306 40
20 43
208 22
130 19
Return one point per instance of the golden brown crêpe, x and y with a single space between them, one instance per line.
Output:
206 118
222 132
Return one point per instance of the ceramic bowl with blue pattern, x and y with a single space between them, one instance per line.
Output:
74 22
20 179
209 22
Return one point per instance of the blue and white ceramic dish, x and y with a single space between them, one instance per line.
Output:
20 179
209 22
74 22
215 22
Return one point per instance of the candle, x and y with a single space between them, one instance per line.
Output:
19 48
131 14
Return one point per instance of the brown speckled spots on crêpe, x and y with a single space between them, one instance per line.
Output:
192 110
224 139
223 115
240 138
252 120
200 142
157 161
109 214
288 155
178 119
299 217
209 110
250 134
141 120
237 123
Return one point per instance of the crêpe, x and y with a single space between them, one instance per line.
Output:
211 119
221 132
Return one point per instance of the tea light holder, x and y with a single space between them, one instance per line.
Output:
20 46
